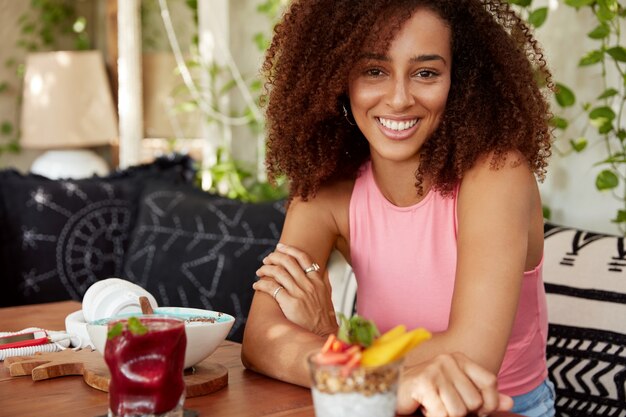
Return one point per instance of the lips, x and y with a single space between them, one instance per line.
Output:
397 129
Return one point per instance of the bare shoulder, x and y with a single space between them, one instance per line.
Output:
503 197
501 173
321 218
329 200
500 191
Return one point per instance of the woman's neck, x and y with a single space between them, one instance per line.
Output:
396 182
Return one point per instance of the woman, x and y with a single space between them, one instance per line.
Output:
411 132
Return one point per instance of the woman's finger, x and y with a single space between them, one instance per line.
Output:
427 396
271 288
291 265
485 382
280 276
455 390
304 260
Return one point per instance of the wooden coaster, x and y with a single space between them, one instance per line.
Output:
202 379
186 413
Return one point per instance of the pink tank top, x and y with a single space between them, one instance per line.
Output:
404 259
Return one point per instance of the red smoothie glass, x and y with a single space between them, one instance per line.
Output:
145 356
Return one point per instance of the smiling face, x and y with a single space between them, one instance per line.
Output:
398 98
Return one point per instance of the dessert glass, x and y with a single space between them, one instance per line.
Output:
358 392
146 369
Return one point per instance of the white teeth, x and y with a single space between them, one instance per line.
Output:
394 125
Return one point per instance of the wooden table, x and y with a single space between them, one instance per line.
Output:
247 393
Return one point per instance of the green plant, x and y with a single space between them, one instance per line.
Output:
605 112
226 175
231 178
43 27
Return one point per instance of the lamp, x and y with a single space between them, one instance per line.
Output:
67 106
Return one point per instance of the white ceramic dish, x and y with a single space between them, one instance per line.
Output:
203 337
76 325
113 296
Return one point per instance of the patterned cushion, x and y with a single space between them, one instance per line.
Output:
195 249
585 280
59 237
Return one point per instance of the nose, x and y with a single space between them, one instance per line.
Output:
400 96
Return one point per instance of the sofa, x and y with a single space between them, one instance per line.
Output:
149 224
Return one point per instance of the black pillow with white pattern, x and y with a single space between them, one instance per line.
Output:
57 237
195 249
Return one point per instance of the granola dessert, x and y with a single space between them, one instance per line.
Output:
357 371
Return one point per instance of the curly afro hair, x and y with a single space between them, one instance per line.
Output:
495 103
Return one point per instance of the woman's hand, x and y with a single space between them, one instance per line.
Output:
450 385
305 298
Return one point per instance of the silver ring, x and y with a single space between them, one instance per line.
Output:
276 291
313 268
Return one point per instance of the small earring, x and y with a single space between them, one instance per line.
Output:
346 115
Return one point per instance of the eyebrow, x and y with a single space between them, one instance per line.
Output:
414 59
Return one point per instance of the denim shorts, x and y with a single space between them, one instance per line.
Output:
537 403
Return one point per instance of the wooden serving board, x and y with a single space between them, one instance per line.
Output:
204 378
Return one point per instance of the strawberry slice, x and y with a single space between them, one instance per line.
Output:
353 362
329 343
332 358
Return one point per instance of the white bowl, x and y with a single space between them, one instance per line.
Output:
203 337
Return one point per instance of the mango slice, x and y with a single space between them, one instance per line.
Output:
393 348
390 334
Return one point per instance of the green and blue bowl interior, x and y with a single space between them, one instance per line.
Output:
203 337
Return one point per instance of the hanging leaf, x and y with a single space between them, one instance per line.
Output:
538 17
6 128
14 146
522 3
559 122
600 32
602 118
592 57
618 53
547 213
607 10
579 3
186 107
621 217
261 41
609 92
603 112
606 180
616 158
579 144
564 96
4 86
605 127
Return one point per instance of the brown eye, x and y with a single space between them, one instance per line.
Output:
373 72
426 74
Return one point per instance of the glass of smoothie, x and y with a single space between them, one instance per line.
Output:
357 371
145 356
357 391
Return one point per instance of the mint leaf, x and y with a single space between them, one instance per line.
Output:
357 330
136 327
115 331
343 333
363 331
